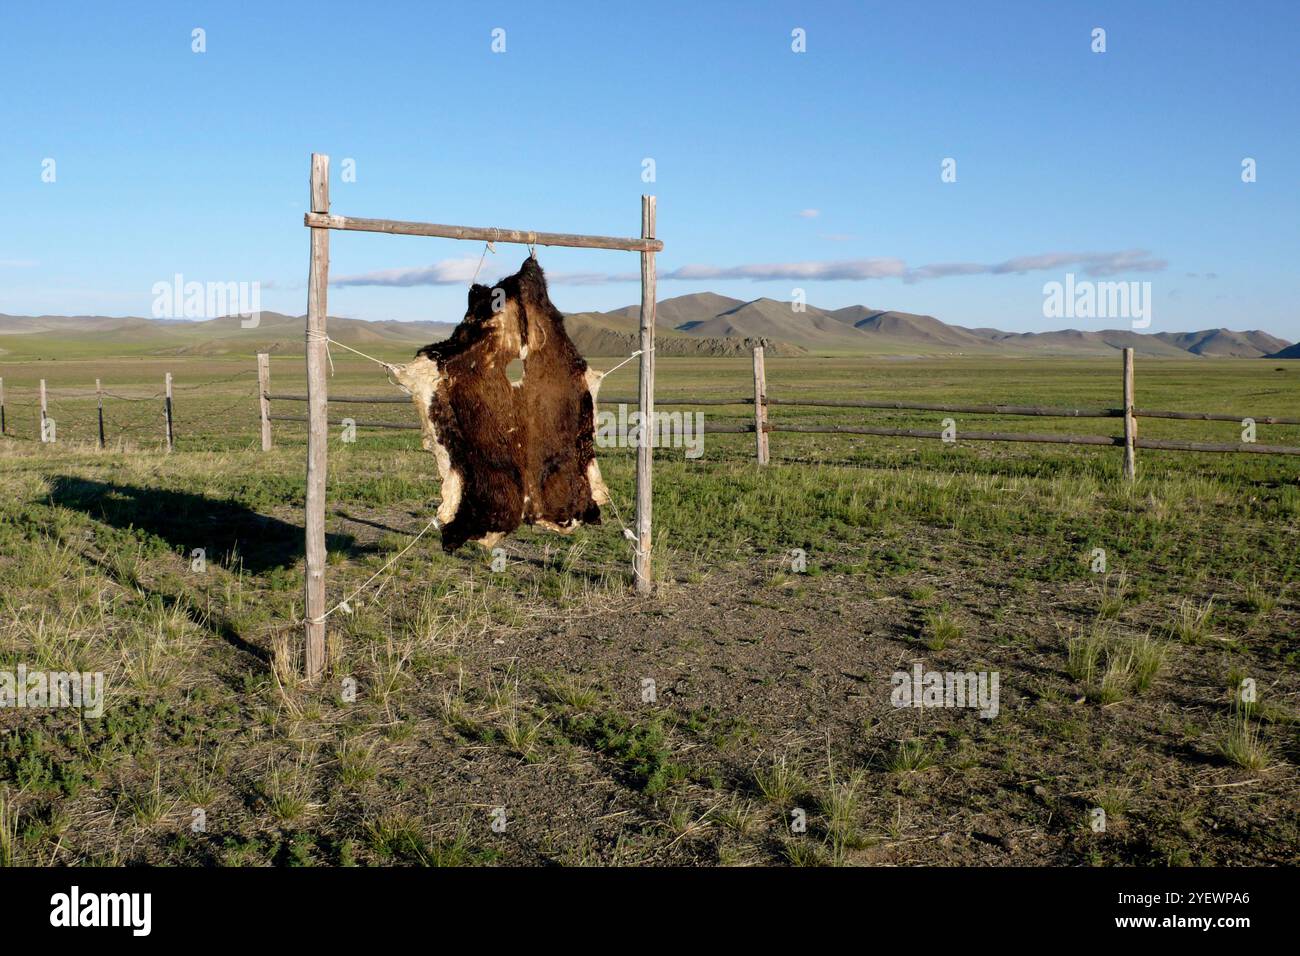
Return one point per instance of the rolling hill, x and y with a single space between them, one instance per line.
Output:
859 329
1225 343
702 324
54 336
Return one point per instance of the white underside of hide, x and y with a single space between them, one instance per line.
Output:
421 378
599 493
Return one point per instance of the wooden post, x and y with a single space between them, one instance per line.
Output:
44 412
760 406
317 419
264 403
2 405
641 560
167 409
99 395
1130 420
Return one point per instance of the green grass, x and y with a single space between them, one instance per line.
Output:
1110 666
911 756
1192 622
8 831
780 781
1239 740
95 574
940 630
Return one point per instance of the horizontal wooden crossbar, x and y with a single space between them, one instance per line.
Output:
397 227
1213 417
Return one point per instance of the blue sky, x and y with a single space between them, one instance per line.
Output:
170 161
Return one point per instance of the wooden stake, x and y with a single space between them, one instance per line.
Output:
760 407
1130 420
263 399
99 395
318 420
167 409
44 412
641 560
2 405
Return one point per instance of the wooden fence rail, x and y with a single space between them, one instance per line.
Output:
1044 411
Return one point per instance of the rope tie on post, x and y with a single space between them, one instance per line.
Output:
313 335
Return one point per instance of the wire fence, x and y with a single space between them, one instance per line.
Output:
763 427
126 414
123 416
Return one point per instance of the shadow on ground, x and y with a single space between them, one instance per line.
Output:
228 530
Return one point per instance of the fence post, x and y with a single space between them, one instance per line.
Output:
44 414
318 420
263 402
641 564
99 395
1130 420
760 407
2 405
167 409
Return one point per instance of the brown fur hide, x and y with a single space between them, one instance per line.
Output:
509 453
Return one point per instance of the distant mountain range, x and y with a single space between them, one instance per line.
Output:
703 323
859 329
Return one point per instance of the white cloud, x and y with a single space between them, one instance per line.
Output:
460 271
878 268
1092 263
808 213
446 272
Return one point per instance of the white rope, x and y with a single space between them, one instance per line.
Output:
631 536
489 246
314 335
391 561
624 362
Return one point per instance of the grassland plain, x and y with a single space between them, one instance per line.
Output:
519 696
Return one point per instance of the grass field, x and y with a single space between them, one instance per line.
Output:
502 716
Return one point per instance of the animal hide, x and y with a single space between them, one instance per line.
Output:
509 453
